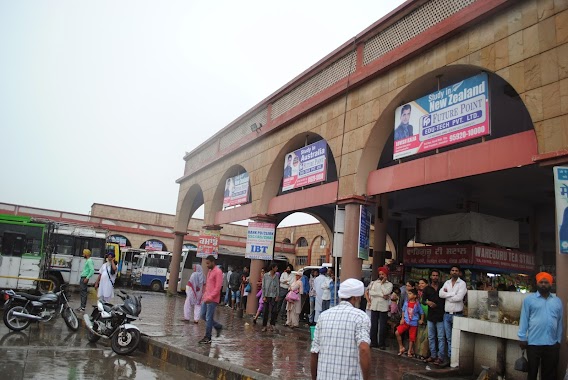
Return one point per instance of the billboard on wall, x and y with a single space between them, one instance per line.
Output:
561 195
208 243
260 241
236 190
120 240
364 232
454 114
305 166
153 245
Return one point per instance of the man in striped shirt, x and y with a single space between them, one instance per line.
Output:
341 346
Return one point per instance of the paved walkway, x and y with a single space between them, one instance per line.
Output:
283 354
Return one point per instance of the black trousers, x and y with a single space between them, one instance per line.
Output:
84 288
547 357
378 328
269 307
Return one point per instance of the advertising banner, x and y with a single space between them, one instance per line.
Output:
561 195
120 240
260 241
208 243
470 255
305 166
451 115
236 190
152 245
364 232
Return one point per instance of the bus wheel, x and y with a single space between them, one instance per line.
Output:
156 286
44 285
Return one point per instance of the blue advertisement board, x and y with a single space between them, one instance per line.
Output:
561 195
456 113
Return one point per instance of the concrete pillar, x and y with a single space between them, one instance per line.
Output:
350 263
252 301
380 234
176 259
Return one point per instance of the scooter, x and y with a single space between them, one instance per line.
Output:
21 309
113 322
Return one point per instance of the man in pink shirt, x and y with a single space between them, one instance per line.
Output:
211 297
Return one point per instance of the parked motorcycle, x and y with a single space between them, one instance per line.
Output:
21 309
113 322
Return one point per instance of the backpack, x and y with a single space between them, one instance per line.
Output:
235 281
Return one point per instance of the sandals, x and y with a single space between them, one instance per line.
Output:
401 352
410 355
429 360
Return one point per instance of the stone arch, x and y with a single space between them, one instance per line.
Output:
275 173
378 146
326 223
302 242
216 203
191 201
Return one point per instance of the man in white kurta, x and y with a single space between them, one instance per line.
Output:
318 282
107 278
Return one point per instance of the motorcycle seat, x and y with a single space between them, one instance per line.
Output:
29 296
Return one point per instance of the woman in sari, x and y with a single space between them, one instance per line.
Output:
194 291
294 308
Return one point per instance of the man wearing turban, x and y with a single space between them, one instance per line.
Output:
378 294
340 349
540 329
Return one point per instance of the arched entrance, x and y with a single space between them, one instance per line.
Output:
489 181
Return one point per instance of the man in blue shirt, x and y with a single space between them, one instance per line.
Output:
540 329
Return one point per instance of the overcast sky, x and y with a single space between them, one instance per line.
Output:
100 100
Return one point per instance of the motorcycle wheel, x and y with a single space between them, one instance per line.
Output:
125 341
70 318
16 323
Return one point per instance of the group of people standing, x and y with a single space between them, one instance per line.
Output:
425 311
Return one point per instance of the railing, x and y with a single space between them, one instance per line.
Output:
41 280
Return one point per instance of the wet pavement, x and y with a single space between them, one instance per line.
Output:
52 351
284 354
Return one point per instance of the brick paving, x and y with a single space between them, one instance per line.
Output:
282 354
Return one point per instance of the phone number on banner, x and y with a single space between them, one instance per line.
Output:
469 133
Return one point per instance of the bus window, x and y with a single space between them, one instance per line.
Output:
64 244
97 247
13 244
188 264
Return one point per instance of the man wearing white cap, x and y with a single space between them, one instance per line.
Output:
341 346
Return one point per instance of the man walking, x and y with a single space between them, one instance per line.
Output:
340 349
453 291
380 292
88 271
270 296
435 319
540 329
211 297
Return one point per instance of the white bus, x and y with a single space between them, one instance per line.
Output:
65 261
185 268
151 268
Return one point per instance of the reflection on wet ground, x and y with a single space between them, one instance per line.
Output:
52 351
283 354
